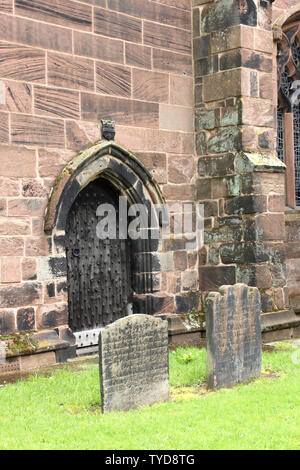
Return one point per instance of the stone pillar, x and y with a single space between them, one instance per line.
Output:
240 178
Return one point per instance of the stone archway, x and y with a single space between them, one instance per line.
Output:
105 159
104 164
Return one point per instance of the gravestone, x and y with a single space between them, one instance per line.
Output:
233 335
134 363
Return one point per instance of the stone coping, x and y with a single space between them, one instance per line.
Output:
248 162
28 343
279 320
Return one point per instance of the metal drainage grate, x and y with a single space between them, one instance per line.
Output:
87 337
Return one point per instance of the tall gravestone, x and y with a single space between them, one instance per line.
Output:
233 332
134 363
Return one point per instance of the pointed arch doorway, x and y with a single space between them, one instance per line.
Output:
104 277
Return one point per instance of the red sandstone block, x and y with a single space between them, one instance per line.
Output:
34 361
189 280
51 162
276 203
29 271
173 282
36 34
37 226
254 60
70 72
263 40
188 143
183 4
117 25
278 335
131 137
6 6
175 118
293 276
113 79
163 141
158 35
164 302
265 90
181 90
258 112
3 207
97 3
7 322
20 295
172 62
180 169
10 270
17 162
37 131
178 192
11 226
80 134
153 11
15 97
138 56
156 163
266 183
26 319
98 47
271 226
279 298
192 259
55 102
9 187
4 132
292 249
180 260
11 246
26 207
33 188
124 111
64 12
22 63
36 246
50 316
150 86
213 277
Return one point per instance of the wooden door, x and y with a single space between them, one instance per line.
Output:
99 271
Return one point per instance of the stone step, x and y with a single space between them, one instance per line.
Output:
279 320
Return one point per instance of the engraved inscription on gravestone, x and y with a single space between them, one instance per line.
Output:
134 362
233 335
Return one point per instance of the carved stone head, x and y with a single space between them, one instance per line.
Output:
108 129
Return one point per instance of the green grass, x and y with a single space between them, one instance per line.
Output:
62 411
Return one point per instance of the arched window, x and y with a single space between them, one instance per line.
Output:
288 112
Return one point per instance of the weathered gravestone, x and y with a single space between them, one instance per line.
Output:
134 362
233 335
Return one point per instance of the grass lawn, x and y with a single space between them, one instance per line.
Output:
62 411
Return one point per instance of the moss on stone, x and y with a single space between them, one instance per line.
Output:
19 344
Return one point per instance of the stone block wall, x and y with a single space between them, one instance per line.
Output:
65 65
240 179
282 11
293 258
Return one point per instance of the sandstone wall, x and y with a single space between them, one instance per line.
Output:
64 65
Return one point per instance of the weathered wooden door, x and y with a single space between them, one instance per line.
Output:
99 271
